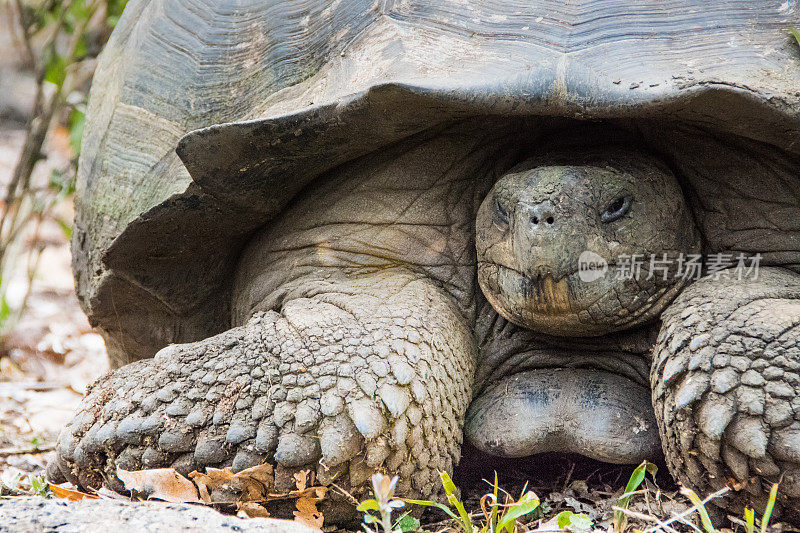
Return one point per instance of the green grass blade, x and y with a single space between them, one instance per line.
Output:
795 33
428 503
493 520
773 494
450 490
527 504
701 509
750 520
636 479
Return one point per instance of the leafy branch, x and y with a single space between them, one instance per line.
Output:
58 39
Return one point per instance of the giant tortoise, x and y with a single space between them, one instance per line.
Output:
343 235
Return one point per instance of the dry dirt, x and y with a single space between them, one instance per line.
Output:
51 354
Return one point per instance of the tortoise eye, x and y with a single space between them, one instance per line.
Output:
501 215
616 209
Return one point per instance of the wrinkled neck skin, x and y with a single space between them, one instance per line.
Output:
507 349
409 207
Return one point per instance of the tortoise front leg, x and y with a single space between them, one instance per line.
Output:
725 378
374 373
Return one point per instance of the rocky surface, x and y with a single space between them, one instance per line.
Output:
24 515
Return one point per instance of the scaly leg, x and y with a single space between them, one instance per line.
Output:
373 374
725 379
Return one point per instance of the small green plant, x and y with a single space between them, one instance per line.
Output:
39 486
794 32
463 518
699 505
575 522
504 516
408 524
636 479
384 503
497 517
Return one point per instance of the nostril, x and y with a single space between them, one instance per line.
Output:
550 220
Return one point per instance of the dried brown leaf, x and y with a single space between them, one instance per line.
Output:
216 485
70 493
221 485
202 488
104 493
317 493
256 482
307 513
301 479
263 473
251 510
160 483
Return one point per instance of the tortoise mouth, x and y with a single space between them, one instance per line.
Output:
545 293
567 304
541 293
594 413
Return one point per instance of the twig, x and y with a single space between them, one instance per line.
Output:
686 522
42 448
346 494
34 256
645 517
26 37
692 509
568 477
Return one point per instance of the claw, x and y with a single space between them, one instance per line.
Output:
297 450
339 440
367 418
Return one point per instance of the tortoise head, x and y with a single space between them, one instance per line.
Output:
584 244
